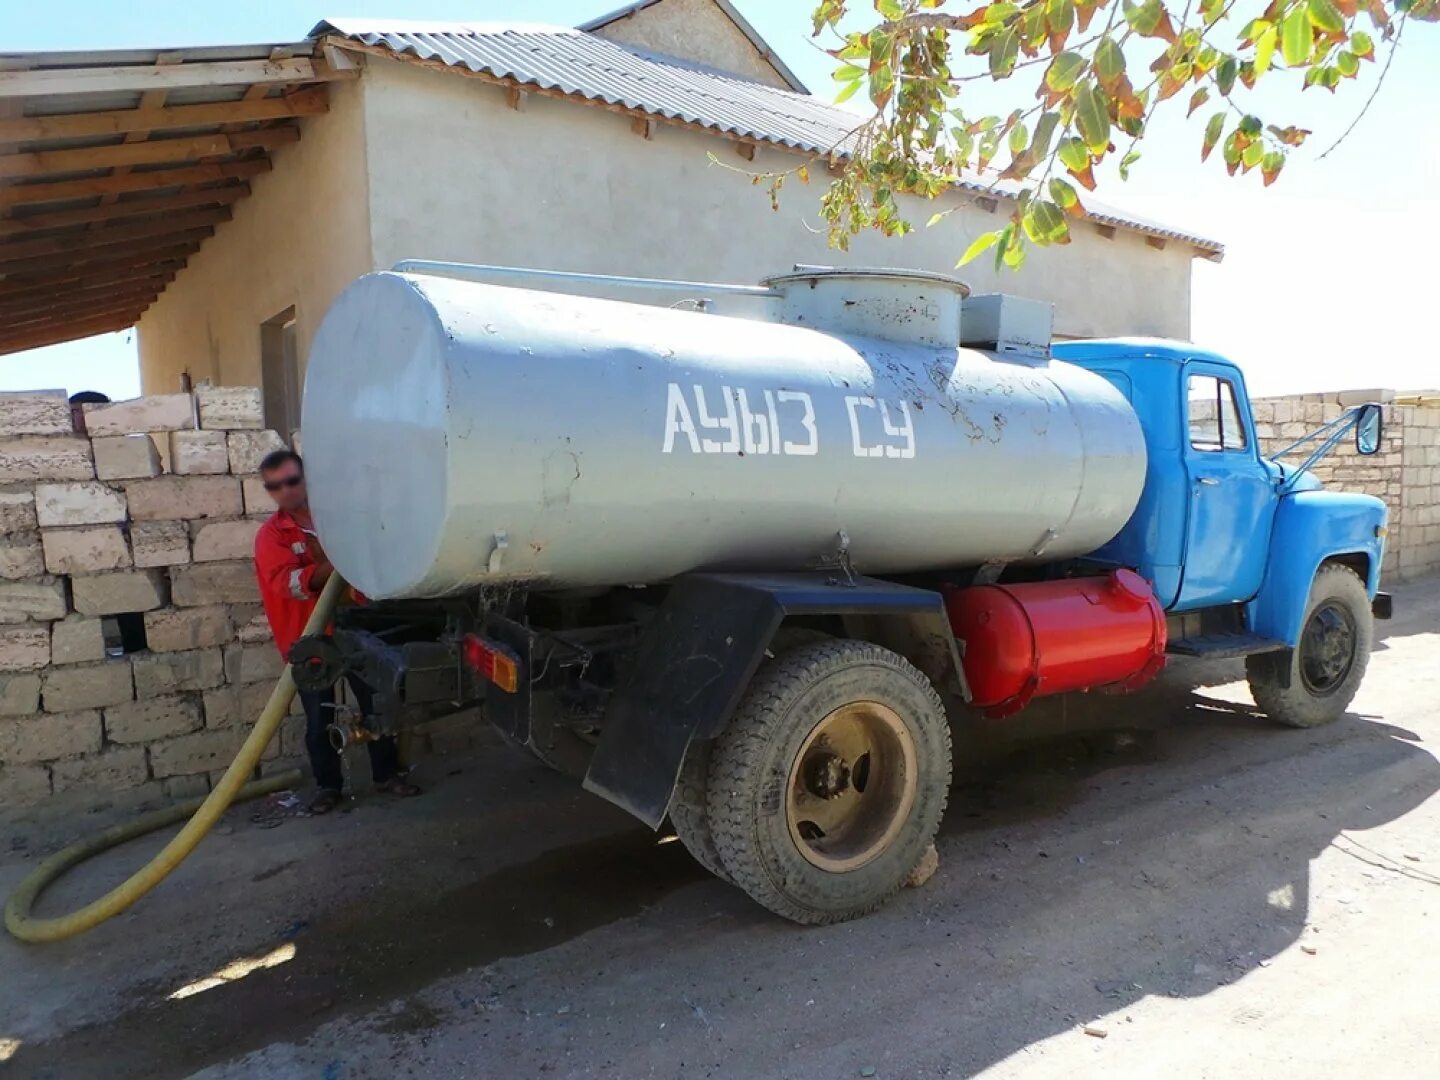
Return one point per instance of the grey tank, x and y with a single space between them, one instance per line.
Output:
459 434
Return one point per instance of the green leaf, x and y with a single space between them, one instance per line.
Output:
1197 99
847 92
1325 15
1296 39
1125 163
1092 118
890 9
1044 132
1006 49
1044 223
1144 18
847 73
1060 14
1064 195
1347 63
1265 51
1253 154
981 244
1225 75
1064 71
1271 165
1019 139
1250 125
1362 45
1213 131
1109 60
1073 154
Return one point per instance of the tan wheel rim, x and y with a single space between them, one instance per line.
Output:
851 786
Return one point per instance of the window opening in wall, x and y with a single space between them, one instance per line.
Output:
280 372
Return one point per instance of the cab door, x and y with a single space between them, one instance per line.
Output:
1232 494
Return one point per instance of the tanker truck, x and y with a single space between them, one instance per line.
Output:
742 569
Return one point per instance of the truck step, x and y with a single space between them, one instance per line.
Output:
1223 646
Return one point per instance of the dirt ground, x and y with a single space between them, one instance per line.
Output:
1155 885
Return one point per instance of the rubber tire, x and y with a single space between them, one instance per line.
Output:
688 814
1294 705
750 766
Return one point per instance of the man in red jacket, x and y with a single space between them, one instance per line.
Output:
293 568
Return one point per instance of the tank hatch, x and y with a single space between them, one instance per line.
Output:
916 307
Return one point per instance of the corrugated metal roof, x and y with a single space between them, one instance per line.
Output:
591 68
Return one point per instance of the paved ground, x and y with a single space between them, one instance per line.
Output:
1206 895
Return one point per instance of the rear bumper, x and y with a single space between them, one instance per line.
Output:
1382 607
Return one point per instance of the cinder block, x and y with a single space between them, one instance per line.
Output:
172 630
257 499
117 768
200 752
220 540
30 458
158 674
21 556
125 590
35 412
87 503
198 452
251 626
158 718
202 584
45 737
160 543
89 550
24 785
19 695
252 663
229 705
86 686
159 412
230 407
17 511
125 457
185 497
77 640
248 449
40 599
24 648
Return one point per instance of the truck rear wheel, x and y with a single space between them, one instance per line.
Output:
1324 670
829 783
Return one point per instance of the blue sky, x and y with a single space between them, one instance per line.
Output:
1328 279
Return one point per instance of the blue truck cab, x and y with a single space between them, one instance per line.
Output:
1249 557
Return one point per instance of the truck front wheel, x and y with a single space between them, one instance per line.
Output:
1314 683
827 787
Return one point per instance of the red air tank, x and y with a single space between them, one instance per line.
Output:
1048 637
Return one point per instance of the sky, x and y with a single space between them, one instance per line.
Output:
1328 276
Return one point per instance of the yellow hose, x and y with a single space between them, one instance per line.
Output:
207 811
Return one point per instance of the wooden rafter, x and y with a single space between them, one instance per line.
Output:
49 299
84 276
146 181
171 246
107 235
67 331
311 101
112 305
154 152
185 200
133 77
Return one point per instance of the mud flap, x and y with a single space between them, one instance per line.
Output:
695 661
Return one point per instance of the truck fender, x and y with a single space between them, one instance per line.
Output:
696 658
1312 527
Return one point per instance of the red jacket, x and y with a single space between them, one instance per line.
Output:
285 567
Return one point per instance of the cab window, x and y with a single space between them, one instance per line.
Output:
1214 415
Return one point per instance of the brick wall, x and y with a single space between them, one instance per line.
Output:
145 526
1405 473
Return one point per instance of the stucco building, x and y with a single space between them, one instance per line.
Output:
623 147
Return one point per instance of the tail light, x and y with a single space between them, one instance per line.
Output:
491 661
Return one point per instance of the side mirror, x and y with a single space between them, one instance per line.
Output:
1368 427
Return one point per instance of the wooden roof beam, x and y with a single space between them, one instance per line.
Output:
83 276
143 77
178 245
17 194
67 331
96 305
310 101
107 235
68 296
33 223
154 152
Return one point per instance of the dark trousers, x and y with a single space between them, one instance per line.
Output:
324 758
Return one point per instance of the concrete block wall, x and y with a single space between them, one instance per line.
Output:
137 535
1405 473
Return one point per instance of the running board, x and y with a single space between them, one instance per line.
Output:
1224 646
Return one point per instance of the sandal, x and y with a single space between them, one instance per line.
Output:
328 799
397 786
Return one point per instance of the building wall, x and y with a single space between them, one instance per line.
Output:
300 237
693 30
1405 472
454 173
